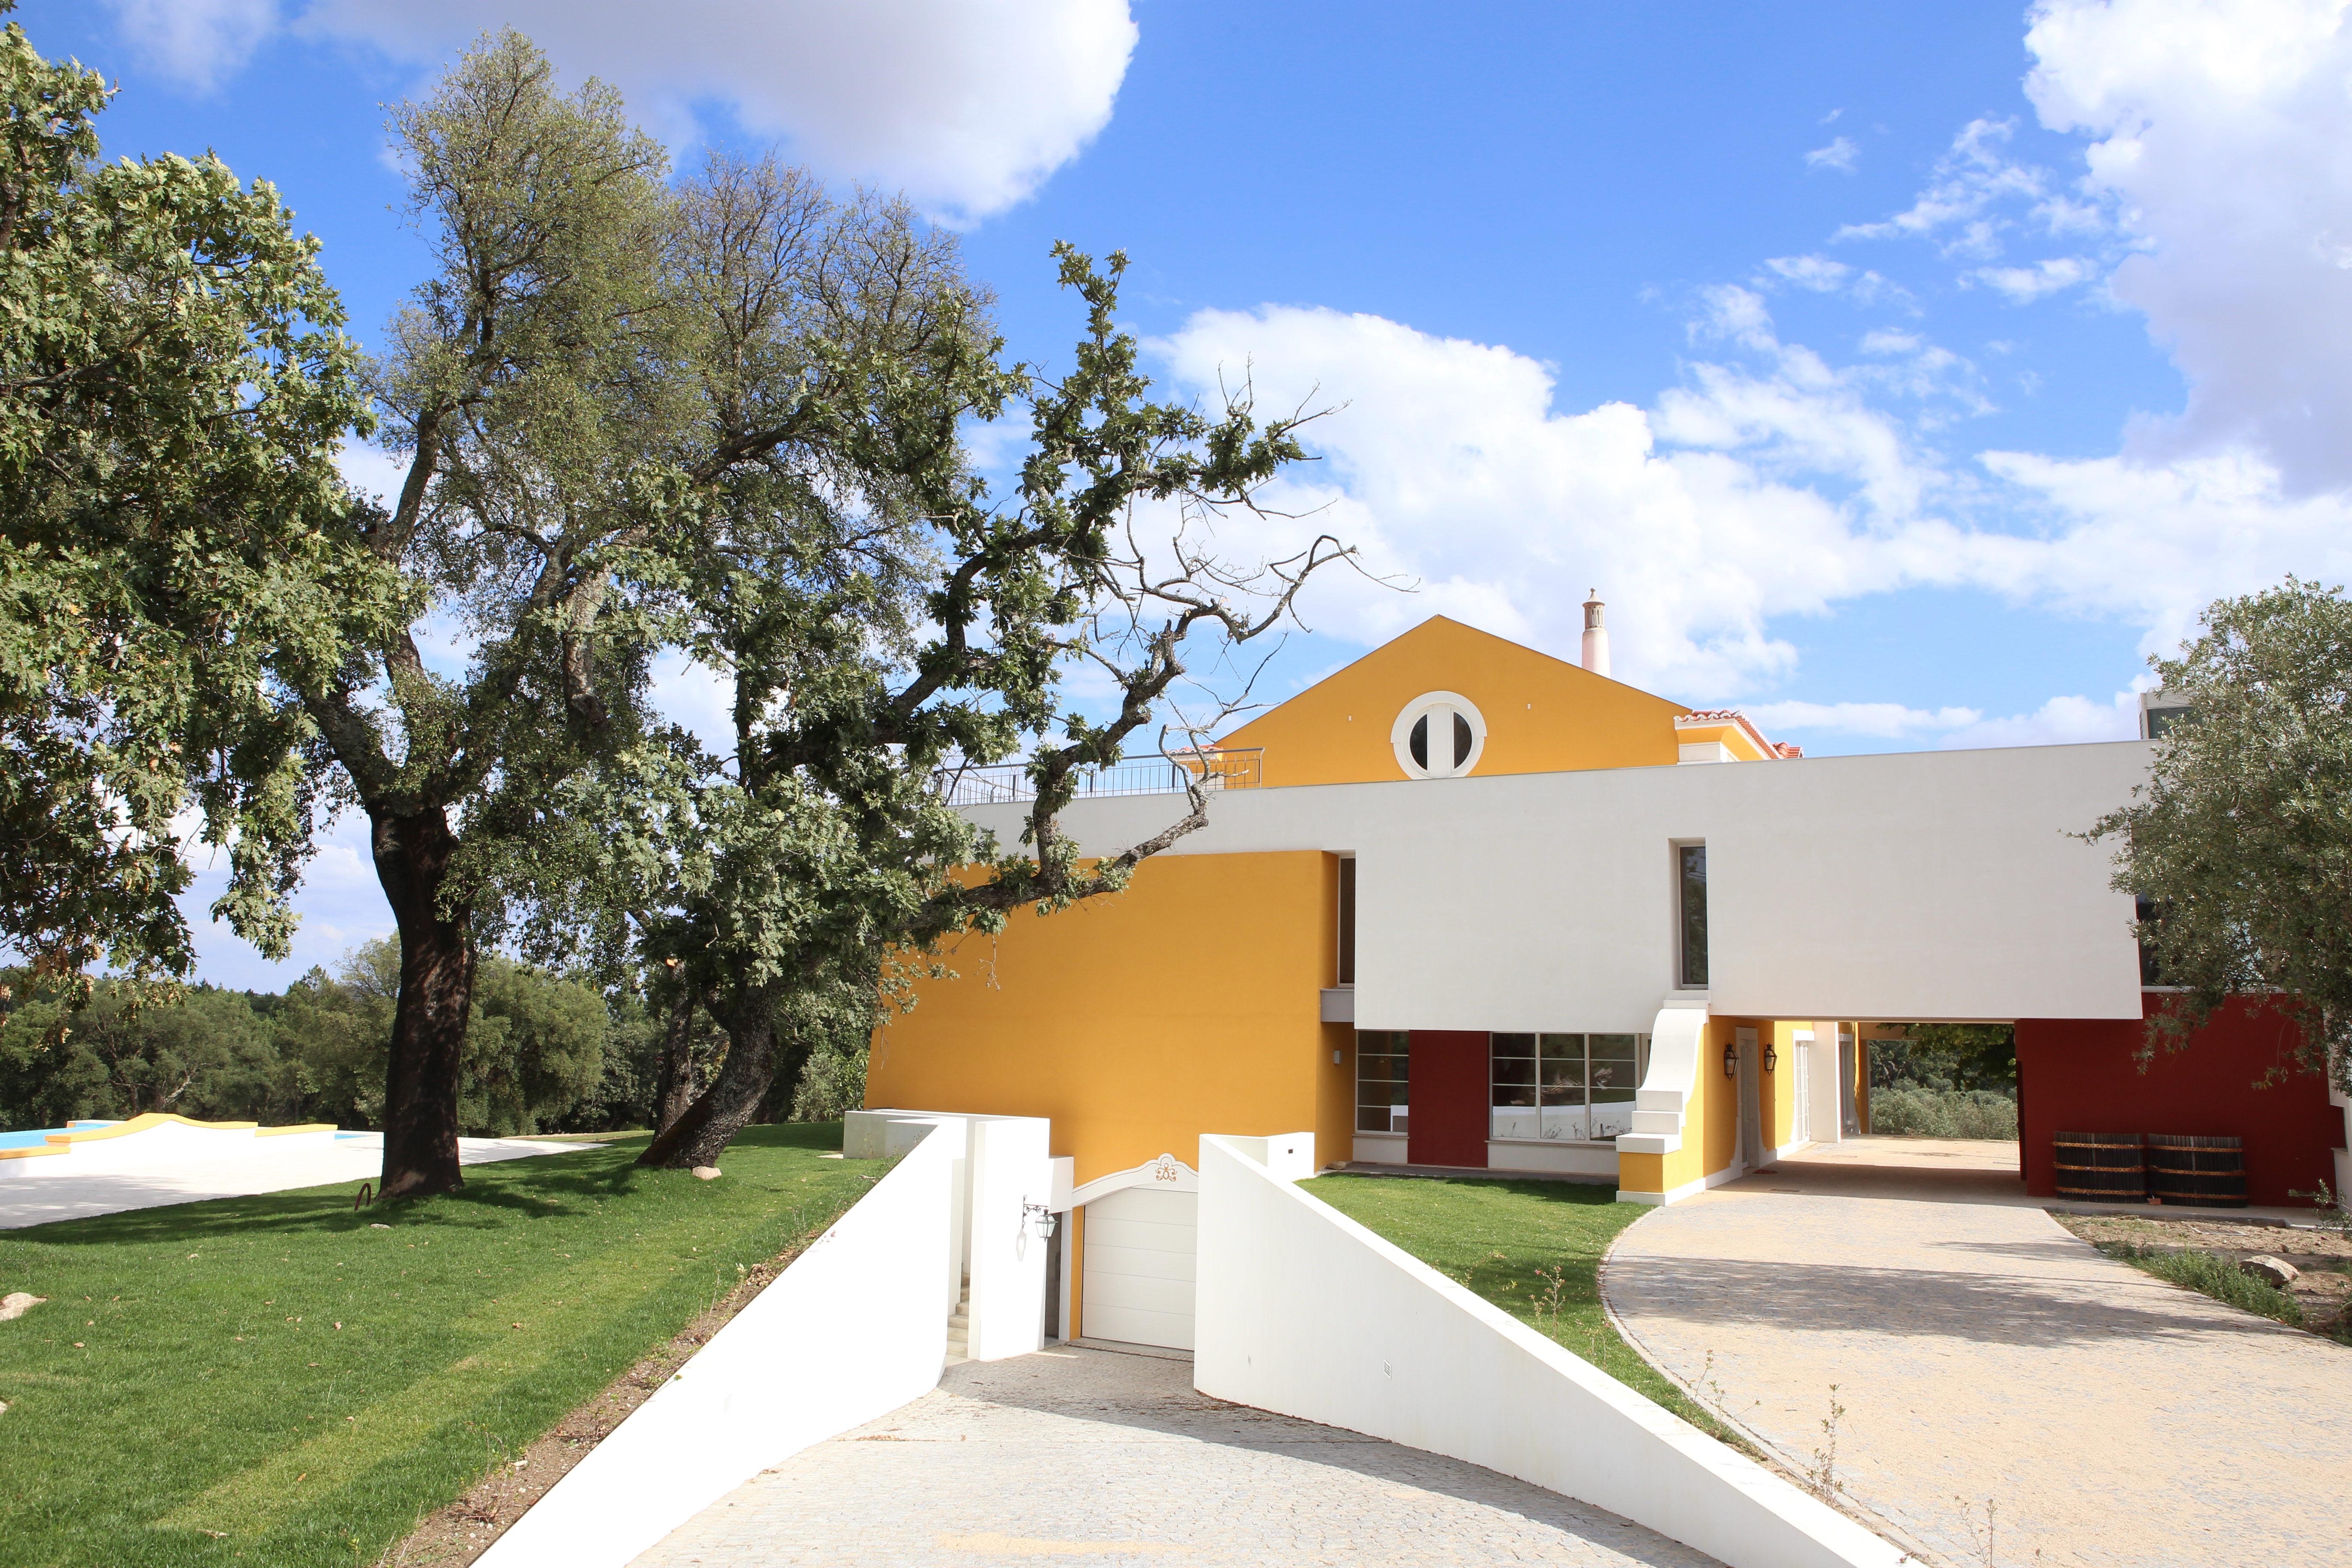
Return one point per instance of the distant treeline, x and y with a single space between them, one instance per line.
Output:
544 1053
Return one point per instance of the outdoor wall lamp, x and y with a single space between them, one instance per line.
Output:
1731 1061
1041 1220
1771 1058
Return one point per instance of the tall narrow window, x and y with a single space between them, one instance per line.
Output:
1692 859
2150 916
1347 921
1383 1075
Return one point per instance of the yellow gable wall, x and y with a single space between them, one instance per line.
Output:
1188 1003
1543 714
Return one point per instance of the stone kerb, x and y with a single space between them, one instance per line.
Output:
1302 1311
851 1331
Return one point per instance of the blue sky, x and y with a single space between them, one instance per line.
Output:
1903 374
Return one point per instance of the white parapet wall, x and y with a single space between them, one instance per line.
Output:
854 1329
1303 1311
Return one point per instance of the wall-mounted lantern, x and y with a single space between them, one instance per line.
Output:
1731 1060
1772 1058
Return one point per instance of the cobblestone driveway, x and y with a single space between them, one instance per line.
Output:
1988 1359
1089 1457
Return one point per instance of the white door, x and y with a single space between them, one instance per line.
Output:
1803 1053
1138 1267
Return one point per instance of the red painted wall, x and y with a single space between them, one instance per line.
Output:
1446 1124
2076 1075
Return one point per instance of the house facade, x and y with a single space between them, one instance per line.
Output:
1483 909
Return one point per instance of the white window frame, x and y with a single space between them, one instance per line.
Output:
1422 707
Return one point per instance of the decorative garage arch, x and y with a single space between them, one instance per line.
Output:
1167 1173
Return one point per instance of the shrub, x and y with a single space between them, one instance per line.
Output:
2215 1277
1910 1110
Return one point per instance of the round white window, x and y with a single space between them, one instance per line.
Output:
1438 736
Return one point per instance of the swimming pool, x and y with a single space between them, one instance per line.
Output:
39 1135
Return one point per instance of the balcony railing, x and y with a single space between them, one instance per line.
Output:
1005 783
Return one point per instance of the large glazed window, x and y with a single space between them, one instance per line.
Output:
1691 864
1439 735
1577 1087
1382 1076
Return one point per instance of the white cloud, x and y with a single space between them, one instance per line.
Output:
967 105
2223 134
196 42
1449 465
2061 721
2023 285
1817 273
1840 154
1880 721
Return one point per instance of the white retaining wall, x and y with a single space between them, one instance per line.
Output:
853 1329
1303 1311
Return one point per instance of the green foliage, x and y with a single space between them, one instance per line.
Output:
1907 1109
536 1055
2242 839
2211 1275
212 1392
1947 1056
206 1055
174 383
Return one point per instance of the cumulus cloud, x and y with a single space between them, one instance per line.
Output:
2222 136
1879 721
2026 284
198 42
1840 154
1450 465
967 105
1817 273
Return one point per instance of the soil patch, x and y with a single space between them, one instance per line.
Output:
456 1535
2324 1257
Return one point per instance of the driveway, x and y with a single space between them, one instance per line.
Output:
1992 1372
1090 1457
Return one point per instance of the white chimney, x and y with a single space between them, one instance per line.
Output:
1596 636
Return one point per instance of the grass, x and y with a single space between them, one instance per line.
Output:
278 1381
1533 1249
2215 1277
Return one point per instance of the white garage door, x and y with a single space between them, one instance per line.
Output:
1138 1267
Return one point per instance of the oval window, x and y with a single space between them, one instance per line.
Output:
1440 735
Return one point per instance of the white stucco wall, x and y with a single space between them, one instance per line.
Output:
1926 885
851 1331
1303 1311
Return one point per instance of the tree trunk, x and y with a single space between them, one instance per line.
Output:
437 994
727 1106
676 1091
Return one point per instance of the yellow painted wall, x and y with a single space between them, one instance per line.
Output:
1736 737
1188 1003
1543 714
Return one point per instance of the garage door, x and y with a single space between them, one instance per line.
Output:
1138 1267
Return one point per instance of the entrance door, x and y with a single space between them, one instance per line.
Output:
1752 1116
1138 1287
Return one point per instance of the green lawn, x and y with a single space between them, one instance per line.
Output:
278 1381
1533 1249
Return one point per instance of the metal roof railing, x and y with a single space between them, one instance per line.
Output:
1003 784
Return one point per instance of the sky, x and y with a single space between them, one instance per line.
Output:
1903 375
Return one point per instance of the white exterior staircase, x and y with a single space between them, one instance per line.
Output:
960 1327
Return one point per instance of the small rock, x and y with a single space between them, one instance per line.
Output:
2276 1272
706 1172
17 1304
378 1224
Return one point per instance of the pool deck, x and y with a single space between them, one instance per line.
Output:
44 1199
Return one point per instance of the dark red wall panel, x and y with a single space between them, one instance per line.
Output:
1447 1122
2078 1076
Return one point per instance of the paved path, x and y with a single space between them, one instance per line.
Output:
1986 1359
37 1199
1089 1457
